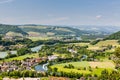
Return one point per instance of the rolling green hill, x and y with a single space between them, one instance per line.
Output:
10 28
115 36
53 30
43 30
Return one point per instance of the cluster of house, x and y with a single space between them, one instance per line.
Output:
50 78
26 64
8 66
21 79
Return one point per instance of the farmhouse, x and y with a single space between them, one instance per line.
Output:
72 51
53 57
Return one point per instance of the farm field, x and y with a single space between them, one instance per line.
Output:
39 38
102 65
99 45
108 42
44 78
79 67
58 78
81 44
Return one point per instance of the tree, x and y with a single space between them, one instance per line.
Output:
55 69
23 51
117 52
117 57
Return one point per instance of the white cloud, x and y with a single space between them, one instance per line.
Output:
5 1
98 16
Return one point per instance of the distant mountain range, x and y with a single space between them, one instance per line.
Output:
54 30
49 30
102 29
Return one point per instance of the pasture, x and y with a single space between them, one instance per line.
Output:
107 42
106 65
84 66
99 45
39 38
81 44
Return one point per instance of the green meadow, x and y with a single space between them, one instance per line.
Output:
83 67
99 45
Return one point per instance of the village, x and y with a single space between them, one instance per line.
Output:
42 78
26 64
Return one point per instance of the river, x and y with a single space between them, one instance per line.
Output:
42 67
37 48
34 49
4 54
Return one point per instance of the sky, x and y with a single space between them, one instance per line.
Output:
60 12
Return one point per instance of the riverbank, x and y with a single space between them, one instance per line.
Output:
45 66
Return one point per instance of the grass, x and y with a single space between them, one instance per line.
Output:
35 55
39 38
112 50
104 65
44 78
107 42
79 67
76 64
99 45
99 70
81 44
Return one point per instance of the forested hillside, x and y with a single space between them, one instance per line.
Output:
55 30
114 36
10 28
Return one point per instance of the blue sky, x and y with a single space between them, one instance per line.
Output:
60 12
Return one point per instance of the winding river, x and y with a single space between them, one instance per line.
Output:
42 67
37 48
